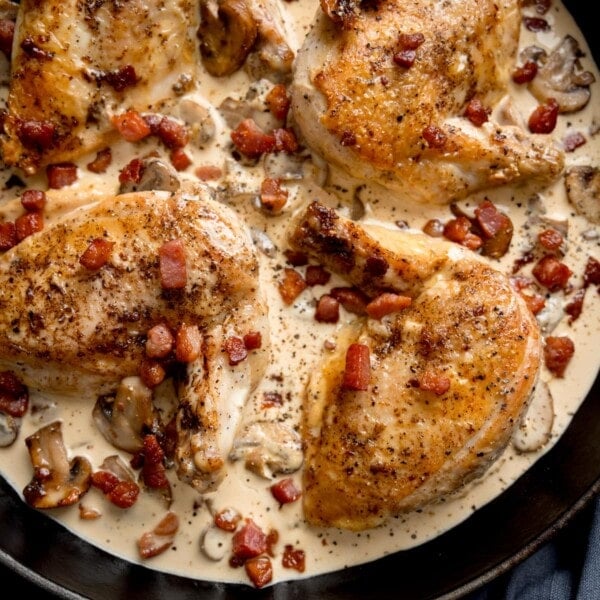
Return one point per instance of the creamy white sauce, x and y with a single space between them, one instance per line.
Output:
297 342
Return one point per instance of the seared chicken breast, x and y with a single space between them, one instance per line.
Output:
75 64
451 374
383 90
68 325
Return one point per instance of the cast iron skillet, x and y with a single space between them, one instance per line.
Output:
489 543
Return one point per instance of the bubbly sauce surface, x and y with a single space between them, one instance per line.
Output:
298 340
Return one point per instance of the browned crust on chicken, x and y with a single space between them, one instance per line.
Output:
71 69
363 112
401 443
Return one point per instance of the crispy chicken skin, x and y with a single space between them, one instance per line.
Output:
405 442
65 328
72 68
367 114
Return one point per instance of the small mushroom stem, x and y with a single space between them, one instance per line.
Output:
56 480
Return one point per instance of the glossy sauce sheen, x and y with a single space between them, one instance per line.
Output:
297 341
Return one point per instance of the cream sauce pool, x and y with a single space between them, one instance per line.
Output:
297 342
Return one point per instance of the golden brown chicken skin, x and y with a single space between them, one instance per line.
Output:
76 328
381 90
75 64
450 375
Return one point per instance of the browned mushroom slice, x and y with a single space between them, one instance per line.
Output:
561 77
124 419
57 481
9 429
156 174
583 191
268 448
226 35
272 56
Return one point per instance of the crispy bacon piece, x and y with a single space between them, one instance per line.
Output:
132 172
171 133
61 175
173 272
525 73
253 340
188 343
551 239
543 119
476 112
316 275
251 140
37 135
14 395
285 491
434 136
352 299
278 101
7 32
328 309
573 141
159 341
293 558
357 372
33 200
131 125
8 235
236 349
292 285
249 541
272 196
227 519
434 382
558 351
28 224
285 140
152 373
96 255
552 273
120 492
179 159
153 469
208 172
407 46
259 570
387 303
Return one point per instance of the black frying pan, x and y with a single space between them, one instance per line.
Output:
42 557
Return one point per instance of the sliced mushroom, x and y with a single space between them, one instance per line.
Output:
268 448
561 77
273 56
124 419
156 175
116 465
159 539
226 35
199 121
583 191
535 429
214 542
9 429
57 481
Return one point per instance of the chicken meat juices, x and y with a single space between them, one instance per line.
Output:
289 287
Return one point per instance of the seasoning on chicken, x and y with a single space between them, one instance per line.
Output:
74 331
402 93
447 381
